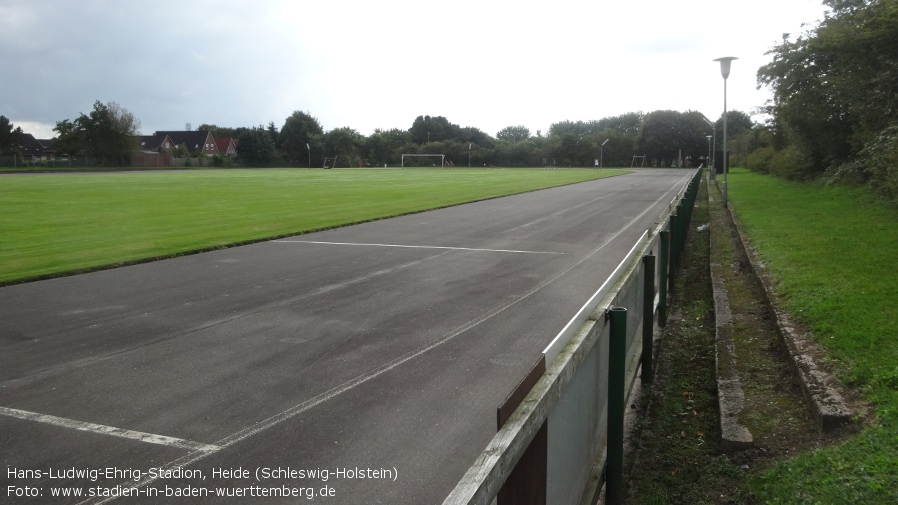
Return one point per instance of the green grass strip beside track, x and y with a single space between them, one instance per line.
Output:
832 252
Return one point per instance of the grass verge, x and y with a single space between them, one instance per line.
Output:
56 224
679 457
830 251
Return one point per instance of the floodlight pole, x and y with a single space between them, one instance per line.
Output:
602 152
725 72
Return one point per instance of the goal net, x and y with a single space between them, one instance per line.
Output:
418 160
343 159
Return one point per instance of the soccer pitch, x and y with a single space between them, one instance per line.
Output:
62 223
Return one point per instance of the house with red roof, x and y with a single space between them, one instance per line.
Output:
197 143
227 146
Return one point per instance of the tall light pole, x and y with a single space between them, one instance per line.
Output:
709 150
713 147
602 151
725 72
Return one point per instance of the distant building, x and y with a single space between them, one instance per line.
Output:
197 143
227 146
37 150
159 149
160 144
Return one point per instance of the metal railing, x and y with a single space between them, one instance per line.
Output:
592 366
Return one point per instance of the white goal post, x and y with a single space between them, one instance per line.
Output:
442 158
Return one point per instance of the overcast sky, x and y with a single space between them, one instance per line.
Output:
379 64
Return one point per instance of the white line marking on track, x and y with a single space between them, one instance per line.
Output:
140 436
414 246
555 215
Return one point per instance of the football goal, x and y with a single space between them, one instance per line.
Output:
332 161
442 158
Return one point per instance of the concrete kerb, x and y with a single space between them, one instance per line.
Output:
820 388
734 436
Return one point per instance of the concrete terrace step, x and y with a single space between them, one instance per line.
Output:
823 391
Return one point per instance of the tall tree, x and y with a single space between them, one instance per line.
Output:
476 137
575 128
301 133
219 132
386 146
273 132
343 141
10 138
108 133
628 123
255 147
432 129
513 133
665 133
571 149
738 123
619 149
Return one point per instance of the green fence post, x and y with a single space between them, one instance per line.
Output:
681 229
648 317
617 357
671 265
664 257
690 202
676 234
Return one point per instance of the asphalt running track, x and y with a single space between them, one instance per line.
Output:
373 355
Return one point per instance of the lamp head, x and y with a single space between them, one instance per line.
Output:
725 65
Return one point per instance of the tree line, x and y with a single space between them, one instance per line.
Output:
109 131
662 136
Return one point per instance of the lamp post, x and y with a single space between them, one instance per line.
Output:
725 72
602 152
713 148
709 150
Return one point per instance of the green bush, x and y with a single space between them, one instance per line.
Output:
786 163
759 160
790 164
876 166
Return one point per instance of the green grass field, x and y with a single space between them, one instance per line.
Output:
831 251
54 224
